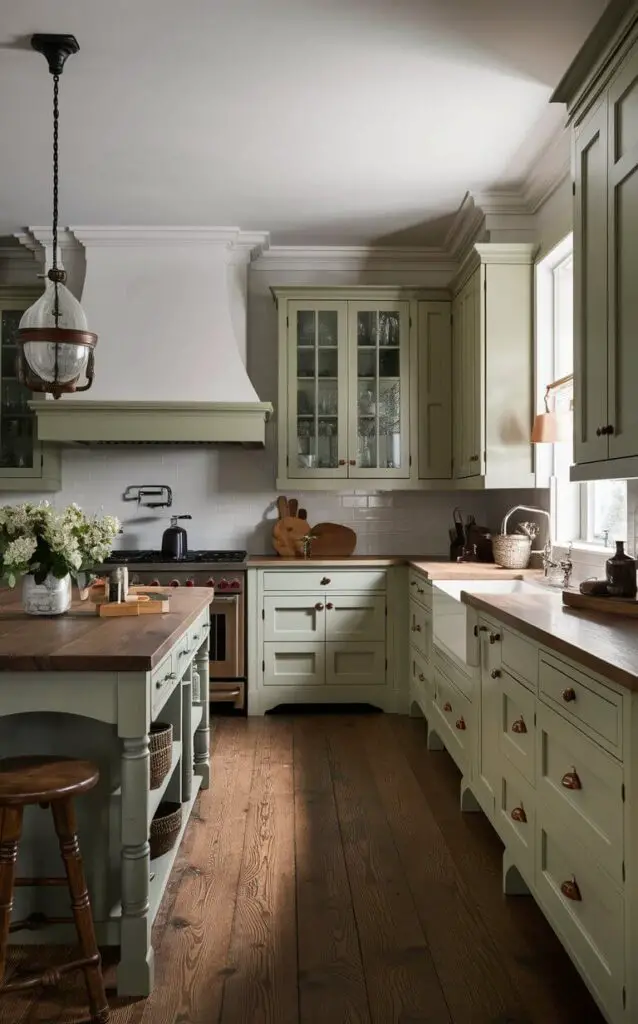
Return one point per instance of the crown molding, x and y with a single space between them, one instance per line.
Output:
353 257
133 235
465 227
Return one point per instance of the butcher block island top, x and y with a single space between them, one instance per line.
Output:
602 643
81 641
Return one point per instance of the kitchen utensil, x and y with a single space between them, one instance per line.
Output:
458 536
287 536
293 506
627 606
175 539
512 550
282 506
331 540
302 514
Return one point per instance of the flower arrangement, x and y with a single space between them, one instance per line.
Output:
40 540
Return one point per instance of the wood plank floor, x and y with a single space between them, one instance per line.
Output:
328 877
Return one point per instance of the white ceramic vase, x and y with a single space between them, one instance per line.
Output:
53 597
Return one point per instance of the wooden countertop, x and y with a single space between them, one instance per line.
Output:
363 561
605 644
432 567
471 571
81 641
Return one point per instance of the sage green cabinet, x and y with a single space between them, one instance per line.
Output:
492 330
25 465
433 402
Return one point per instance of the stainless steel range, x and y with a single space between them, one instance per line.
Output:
226 572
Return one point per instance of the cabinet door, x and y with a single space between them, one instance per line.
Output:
459 467
355 617
379 356
355 664
590 288
23 464
294 617
294 664
318 400
488 759
434 355
472 375
623 258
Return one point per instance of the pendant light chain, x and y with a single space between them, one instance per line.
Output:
56 119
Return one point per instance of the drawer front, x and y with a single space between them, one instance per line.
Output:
460 680
453 712
515 819
582 700
163 681
198 633
182 654
355 664
582 787
318 581
420 628
591 925
420 682
520 657
360 617
294 664
517 732
292 618
420 589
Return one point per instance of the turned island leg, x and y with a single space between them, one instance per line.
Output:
135 969
202 736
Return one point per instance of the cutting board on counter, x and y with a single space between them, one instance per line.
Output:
627 606
331 540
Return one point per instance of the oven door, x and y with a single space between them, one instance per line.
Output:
226 658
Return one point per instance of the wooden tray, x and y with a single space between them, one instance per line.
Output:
331 540
627 606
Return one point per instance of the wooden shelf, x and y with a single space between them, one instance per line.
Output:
162 866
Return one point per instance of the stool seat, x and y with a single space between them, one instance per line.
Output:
42 779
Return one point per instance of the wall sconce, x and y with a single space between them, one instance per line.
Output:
551 427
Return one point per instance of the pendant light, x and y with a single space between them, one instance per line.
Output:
55 347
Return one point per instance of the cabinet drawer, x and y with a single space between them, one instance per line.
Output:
198 632
516 815
459 679
294 664
292 618
420 589
163 680
591 926
517 732
420 682
420 628
182 655
453 712
318 581
359 617
355 664
521 657
582 700
582 787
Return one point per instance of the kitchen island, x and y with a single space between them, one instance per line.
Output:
90 687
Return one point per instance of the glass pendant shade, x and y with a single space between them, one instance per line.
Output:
56 356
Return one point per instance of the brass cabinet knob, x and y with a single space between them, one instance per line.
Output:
568 694
570 890
460 724
325 581
329 606
495 673
494 638
599 431
571 780
519 725
447 706
319 606
353 462
518 814
342 462
421 677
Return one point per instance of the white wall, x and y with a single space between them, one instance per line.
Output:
554 219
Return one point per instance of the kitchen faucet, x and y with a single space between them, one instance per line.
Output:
565 564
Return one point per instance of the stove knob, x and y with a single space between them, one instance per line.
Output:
235 584
223 584
190 583
154 583
210 582
174 583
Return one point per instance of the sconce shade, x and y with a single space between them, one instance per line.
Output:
550 428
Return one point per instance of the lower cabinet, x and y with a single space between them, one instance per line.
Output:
452 719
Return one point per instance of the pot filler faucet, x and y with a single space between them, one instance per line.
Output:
564 564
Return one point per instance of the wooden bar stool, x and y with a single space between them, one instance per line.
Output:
49 781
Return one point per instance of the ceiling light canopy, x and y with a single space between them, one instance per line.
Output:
55 347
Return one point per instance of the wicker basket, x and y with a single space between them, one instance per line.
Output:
512 551
161 746
165 827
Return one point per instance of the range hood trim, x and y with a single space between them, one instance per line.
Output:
187 423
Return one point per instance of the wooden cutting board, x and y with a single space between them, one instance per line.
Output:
627 606
331 540
287 535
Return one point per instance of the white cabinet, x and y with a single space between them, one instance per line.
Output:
492 318
364 387
25 465
356 663
486 777
420 642
603 109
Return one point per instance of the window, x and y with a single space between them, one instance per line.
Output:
593 513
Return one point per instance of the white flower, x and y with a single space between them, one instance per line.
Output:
19 551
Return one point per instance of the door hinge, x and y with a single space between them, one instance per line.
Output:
287 460
409 460
42 461
386 611
263 613
624 998
386 663
573 188
623 871
263 666
287 321
410 321
534 718
622 792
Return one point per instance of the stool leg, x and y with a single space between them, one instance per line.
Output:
66 829
10 830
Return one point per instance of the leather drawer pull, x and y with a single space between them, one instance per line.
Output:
570 890
519 725
570 780
460 724
518 814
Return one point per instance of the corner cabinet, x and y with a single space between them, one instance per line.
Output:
25 464
364 388
602 99
492 314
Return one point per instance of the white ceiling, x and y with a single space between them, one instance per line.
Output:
322 121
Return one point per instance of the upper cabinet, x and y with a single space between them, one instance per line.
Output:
492 330
25 465
601 91
364 388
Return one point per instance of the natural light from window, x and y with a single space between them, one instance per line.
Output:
592 513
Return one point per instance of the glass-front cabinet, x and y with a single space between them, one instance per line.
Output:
344 403
25 465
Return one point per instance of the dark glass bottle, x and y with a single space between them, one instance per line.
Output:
621 573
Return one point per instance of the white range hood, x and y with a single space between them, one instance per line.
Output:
169 308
